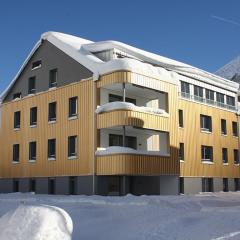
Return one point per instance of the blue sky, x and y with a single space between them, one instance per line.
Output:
202 33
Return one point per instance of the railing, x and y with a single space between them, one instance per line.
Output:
207 101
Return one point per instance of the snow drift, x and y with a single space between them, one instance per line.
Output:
40 222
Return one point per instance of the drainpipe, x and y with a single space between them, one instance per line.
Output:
124 128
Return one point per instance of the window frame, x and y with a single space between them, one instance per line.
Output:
224 127
224 155
204 124
52 119
234 129
32 89
50 155
53 75
32 157
72 155
32 117
70 114
181 154
17 120
16 153
236 156
203 154
180 118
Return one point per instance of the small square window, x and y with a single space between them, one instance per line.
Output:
36 64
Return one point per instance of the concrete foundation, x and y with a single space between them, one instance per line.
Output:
84 185
192 185
24 185
6 185
231 184
42 185
217 184
62 185
169 185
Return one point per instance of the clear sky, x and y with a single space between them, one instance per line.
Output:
203 33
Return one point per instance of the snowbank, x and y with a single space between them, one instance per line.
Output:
35 223
126 150
128 106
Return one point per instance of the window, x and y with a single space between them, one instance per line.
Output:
17 120
72 185
220 98
51 185
185 87
15 185
181 185
237 184
224 155
17 95
207 184
236 156
31 85
32 185
16 153
72 107
180 118
206 123
117 98
33 116
209 96
181 151
235 129
32 151
36 64
53 78
72 146
230 101
223 127
117 140
207 153
51 149
52 112
198 93
225 184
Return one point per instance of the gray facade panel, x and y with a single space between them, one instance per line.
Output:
6 185
217 184
84 185
62 185
42 185
192 185
231 184
24 185
169 185
69 70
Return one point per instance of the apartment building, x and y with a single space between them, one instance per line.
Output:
84 117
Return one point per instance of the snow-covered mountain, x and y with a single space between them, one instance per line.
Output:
231 70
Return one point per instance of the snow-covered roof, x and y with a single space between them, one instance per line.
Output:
150 64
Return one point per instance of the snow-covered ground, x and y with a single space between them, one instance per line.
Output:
213 216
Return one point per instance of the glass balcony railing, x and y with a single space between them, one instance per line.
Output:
207 101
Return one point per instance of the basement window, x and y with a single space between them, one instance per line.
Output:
51 149
52 112
72 147
36 64
32 151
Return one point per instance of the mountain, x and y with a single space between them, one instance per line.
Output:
231 70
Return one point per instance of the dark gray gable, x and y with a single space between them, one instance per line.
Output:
51 57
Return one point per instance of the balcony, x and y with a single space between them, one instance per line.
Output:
207 101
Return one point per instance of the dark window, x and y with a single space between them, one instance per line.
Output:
230 101
73 107
16 153
235 129
117 98
223 126
53 78
206 123
32 185
237 184
185 87
72 146
52 107
72 185
32 151
224 155
17 119
117 140
51 185
180 118
33 116
181 185
225 184
207 184
198 93
15 185
51 148
31 85
36 64
220 98
17 95
236 156
207 153
181 151
209 96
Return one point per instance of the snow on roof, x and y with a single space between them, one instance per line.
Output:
150 64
